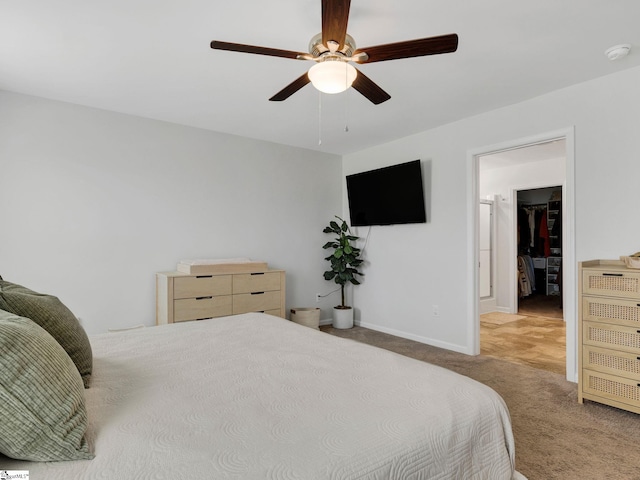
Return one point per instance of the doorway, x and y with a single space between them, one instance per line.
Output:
534 173
539 248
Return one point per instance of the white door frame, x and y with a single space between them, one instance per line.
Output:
488 304
569 268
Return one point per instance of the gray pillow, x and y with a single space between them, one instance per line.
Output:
42 410
52 315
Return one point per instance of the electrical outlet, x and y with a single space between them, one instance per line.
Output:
436 311
317 297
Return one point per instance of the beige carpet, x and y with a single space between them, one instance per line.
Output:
499 318
556 438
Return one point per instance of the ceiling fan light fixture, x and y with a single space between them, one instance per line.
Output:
332 76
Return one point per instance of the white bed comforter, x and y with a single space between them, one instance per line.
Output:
257 397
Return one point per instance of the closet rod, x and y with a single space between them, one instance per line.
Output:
535 206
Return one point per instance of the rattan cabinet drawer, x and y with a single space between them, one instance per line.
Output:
617 391
611 310
613 362
256 302
201 286
202 307
622 284
611 336
256 282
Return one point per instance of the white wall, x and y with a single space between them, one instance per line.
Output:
413 268
94 203
502 182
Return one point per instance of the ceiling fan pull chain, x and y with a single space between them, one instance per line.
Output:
319 118
346 113
346 103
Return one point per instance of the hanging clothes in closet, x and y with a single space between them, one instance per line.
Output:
533 233
526 276
533 241
544 235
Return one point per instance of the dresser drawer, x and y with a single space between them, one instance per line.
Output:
201 286
256 302
611 387
611 284
611 310
203 307
181 297
611 336
613 362
256 282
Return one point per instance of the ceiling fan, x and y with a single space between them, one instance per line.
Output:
333 50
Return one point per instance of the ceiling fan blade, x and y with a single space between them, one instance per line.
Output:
273 52
290 89
369 89
410 48
335 16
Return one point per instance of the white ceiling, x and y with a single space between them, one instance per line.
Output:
152 59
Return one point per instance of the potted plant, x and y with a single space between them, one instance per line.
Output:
344 261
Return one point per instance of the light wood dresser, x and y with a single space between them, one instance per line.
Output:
609 334
182 297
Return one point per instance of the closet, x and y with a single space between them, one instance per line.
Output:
539 245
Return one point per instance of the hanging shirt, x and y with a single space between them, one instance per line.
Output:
544 235
532 227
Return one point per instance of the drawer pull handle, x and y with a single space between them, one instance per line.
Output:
206 298
204 276
262 293
258 273
613 274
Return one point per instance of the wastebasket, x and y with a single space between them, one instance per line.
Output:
309 317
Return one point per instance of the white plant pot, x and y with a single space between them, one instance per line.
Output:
342 318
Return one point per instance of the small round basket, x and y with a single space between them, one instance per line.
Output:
309 317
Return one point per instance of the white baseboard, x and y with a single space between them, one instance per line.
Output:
408 336
495 308
487 305
417 338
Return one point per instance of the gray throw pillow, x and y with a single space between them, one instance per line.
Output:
42 407
52 315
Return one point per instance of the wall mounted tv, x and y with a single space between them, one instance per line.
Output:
387 196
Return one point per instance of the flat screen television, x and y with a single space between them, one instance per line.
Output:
387 196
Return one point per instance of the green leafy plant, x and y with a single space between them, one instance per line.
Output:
345 257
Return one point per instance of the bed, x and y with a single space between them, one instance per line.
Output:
257 397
